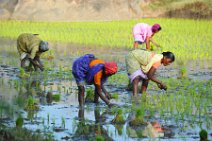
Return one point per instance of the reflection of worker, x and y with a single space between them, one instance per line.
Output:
143 33
141 66
87 130
30 48
88 69
154 129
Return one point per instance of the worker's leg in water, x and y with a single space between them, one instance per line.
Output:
96 96
144 85
81 92
135 85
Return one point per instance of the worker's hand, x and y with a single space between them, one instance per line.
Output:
157 45
111 105
41 68
162 86
108 96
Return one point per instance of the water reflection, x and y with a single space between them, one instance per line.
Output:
91 131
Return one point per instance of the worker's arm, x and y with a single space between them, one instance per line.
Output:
154 42
99 92
136 44
148 43
106 92
151 76
32 58
35 64
39 61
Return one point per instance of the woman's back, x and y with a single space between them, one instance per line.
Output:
142 56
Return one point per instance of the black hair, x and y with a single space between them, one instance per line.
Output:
169 55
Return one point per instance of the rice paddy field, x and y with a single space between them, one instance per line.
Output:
46 103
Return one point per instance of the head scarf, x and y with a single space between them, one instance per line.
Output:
44 46
110 68
155 27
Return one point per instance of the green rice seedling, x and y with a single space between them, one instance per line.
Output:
31 104
119 128
53 121
119 35
23 74
99 138
63 122
115 96
139 117
119 119
48 118
183 72
24 134
19 122
37 84
56 97
89 95
203 135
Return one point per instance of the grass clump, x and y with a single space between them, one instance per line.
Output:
56 97
99 138
115 96
31 105
139 118
203 135
119 119
89 95
19 122
22 134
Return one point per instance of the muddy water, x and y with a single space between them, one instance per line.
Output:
63 118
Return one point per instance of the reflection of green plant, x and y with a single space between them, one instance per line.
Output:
48 118
119 129
89 95
63 122
23 134
30 114
100 138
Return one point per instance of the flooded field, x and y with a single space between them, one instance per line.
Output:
48 102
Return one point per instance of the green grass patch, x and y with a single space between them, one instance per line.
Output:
188 39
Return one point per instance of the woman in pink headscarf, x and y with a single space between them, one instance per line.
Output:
143 33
